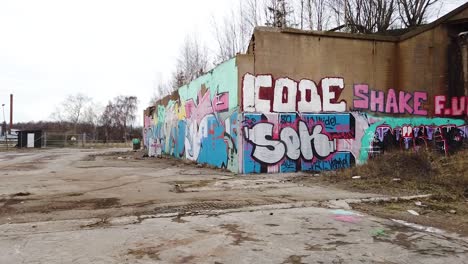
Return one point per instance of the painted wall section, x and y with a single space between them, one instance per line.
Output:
302 125
199 122
295 125
288 125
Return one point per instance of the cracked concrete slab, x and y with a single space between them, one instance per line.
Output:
259 236
85 206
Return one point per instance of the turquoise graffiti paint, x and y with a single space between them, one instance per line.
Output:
399 122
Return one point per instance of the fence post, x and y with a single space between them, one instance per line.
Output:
83 141
44 142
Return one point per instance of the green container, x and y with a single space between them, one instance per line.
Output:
136 143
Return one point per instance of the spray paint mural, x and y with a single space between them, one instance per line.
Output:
291 126
287 125
199 122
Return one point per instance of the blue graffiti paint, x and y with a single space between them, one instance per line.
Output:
337 161
180 139
249 164
288 120
213 150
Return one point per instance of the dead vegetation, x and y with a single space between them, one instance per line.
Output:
407 172
413 173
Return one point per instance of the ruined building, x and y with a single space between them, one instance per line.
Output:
314 101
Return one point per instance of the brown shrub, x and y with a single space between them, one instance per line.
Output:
426 171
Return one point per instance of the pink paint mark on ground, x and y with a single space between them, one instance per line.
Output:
346 218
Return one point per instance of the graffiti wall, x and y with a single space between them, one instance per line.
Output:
291 125
303 125
199 122
287 125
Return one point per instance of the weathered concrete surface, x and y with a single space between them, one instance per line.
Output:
301 235
63 206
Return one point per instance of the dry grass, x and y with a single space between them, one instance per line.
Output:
419 172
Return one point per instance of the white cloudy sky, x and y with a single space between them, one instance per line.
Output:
103 48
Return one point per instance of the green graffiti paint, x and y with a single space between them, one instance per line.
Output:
399 122
221 79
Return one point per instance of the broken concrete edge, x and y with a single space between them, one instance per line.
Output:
420 227
345 203
329 204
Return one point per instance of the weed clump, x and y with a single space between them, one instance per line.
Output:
420 172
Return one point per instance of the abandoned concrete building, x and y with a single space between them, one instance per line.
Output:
316 101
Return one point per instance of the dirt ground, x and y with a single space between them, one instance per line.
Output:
77 184
444 178
114 206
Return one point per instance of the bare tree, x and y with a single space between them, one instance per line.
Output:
279 13
163 87
91 116
414 12
230 36
193 60
337 8
317 10
234 31
365 16
109 119
72 109
119 114
126 107
302 6
251 14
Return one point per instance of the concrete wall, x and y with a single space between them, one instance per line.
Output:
317 102
199 121
423 64
309 101
298 56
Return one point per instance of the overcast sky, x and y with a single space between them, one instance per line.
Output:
102 48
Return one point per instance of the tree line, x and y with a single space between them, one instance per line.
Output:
79 114
233 32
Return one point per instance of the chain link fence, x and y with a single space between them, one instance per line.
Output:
70 140
8 143
67 140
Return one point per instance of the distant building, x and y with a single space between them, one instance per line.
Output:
29 139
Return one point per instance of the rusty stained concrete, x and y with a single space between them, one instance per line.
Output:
76 206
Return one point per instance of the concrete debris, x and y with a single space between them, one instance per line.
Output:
413 212
338 204
178 188
453 212
419 227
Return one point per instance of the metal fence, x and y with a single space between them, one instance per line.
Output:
68 140
7 144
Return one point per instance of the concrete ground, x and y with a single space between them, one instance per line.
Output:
77 206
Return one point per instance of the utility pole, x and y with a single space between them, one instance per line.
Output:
4 125
11 112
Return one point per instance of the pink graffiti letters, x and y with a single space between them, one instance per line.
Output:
264 94
291 144
205 106
392 103
458 107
